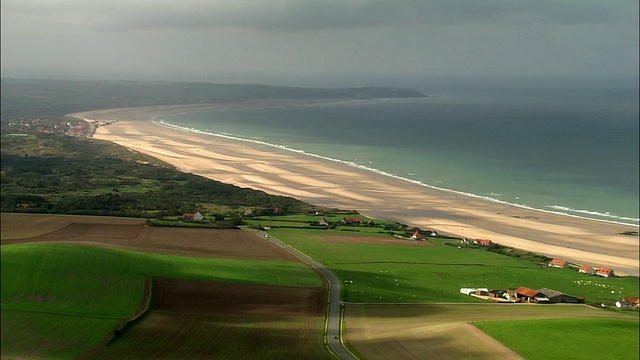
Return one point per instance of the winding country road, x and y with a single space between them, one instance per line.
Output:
334 330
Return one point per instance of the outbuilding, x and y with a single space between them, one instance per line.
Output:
558 297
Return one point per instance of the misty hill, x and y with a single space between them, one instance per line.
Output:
37 98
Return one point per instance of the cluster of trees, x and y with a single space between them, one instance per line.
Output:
64 175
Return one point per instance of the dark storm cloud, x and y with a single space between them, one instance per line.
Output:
212 37
311 15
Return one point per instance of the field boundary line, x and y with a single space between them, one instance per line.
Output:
61 314
333 335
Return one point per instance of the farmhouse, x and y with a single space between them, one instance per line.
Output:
350 221
196 216
529 295
323 222
416 236
605 272
558 263
587 269
558 297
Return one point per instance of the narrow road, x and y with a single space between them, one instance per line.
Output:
334 333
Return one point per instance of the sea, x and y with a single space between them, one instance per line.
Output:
569 150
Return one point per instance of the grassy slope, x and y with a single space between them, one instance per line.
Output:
69 297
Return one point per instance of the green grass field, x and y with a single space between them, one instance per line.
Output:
389 274
70 297
567 338
27 335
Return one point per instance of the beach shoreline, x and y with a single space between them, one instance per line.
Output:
334 184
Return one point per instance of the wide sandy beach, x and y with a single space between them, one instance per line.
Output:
333 184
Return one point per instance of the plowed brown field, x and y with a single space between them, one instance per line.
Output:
195 319
132 234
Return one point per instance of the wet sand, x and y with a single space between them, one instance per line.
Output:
333 184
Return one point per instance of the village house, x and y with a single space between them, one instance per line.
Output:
192 216
248 212
605 272
483 242
323 222
350 221
319 213
587 269
558 263
416 236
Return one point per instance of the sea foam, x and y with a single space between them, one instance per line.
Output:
557 209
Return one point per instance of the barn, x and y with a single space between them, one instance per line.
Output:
529 295
558 297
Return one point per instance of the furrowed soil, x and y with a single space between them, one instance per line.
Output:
132 234
195 319
199 319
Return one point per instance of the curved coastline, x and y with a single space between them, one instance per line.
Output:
326 182
162 122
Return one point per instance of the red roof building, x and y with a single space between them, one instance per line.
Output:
605 272
528 295
558 263
483 242
635 301
587 269
196 216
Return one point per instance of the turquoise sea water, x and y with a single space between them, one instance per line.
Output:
572 152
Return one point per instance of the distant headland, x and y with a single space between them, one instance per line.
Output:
59 97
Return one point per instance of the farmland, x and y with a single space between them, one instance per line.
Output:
230 293
379 272
69 297
378 269
442 331
583 338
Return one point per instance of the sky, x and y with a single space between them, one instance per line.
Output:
263 41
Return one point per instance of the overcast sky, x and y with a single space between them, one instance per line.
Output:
241 40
